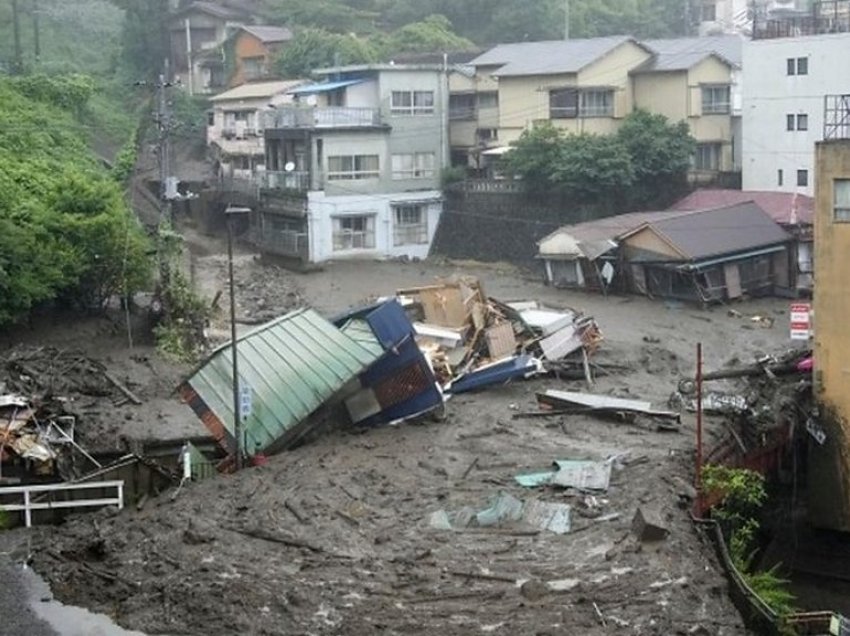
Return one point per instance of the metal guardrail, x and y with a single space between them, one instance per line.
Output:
321 117
29 505
836 117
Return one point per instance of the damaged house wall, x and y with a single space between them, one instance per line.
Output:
829 464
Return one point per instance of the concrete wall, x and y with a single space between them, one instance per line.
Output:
770 94
829 465
323 209
341 143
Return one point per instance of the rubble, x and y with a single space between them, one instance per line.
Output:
648 525
505 510
473 341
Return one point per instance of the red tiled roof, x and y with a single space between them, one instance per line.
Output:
782 207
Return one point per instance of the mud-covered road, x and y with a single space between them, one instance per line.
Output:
333 538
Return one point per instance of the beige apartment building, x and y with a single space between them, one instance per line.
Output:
590 85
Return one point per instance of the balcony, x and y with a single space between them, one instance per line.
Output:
311 117
286 180
825 16
836 121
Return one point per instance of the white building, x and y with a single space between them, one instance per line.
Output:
736 16
788 79
356 173
235 127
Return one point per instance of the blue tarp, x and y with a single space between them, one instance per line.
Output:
323 87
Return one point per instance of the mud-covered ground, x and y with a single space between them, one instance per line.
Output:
333 538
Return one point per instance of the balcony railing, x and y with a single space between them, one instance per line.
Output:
322 117
826 16
288 243
286 180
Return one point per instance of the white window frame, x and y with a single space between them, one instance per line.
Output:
716 99
352 168
414 165
596 103
349 238
410 224
841 201
412 102
715 152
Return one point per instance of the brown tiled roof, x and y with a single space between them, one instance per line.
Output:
782 207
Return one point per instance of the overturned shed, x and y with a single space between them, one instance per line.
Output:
292 366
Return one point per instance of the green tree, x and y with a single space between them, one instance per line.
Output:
593 169
432 34
661 156
315 48
534 157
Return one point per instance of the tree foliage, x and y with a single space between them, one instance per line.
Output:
314 48
65 230
634 168
434 33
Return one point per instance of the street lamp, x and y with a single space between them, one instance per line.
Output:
229 214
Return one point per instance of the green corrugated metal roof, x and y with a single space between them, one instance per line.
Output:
293 364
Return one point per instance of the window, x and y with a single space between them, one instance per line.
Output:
709 12
715 100
802 122
597 103
419 165
488 100
707 157
253 67
410 224
210 118
412 102
462 106
348 167
841 210
797 65
779 177
796 122
789 122
354 233
563 103
488 134
803 178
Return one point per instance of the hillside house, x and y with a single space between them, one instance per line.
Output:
254 48
235 132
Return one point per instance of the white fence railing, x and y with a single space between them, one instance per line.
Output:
29 505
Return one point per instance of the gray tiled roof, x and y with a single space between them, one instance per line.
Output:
680 54
548 58
266 33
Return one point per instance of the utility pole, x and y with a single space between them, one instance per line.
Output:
36 31
16 26
566 19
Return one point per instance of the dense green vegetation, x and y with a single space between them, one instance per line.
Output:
742 495
638 167
65 231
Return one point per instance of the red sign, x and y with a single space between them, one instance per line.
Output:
801 321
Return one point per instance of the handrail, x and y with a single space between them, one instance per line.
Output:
29 506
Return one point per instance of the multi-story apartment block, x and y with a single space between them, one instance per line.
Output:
738 16
697 80
356 173
829 455
792 64
590 85
235 131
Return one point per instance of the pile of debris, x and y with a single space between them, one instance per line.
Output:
34 442
473 341
263 291
774 399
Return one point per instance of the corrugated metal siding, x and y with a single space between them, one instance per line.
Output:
293 365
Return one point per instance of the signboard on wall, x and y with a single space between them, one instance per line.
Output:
801 321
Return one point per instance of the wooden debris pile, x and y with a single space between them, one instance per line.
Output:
472 341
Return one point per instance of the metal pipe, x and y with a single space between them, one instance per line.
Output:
237 420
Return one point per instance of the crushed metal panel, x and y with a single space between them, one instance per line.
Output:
535 480
500 372
598 401
561 343
583 475
553 517
294 364
547 321
501 340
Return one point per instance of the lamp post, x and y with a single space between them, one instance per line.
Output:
229 214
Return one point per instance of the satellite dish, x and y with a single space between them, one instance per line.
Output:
289 167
